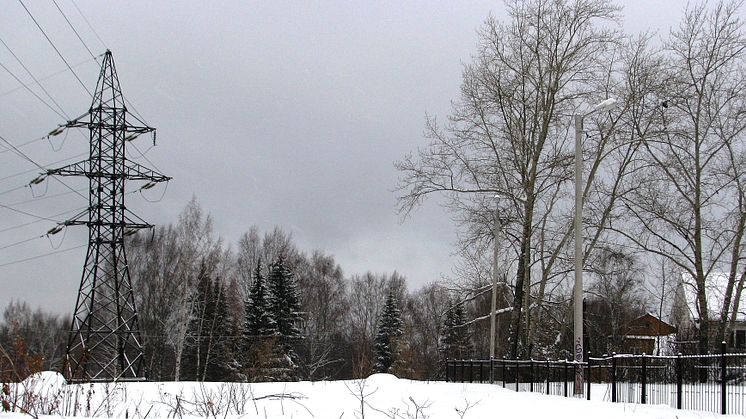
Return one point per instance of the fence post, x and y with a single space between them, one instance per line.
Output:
588 378
643 396
531 374
679 381
613 377
492 370
515 367
504 380
723 379
481 370
448 363
565 377
471 370
548 374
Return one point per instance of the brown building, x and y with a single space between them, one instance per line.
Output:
647 334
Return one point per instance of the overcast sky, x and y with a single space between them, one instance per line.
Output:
270 113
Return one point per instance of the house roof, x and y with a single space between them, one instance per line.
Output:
715 286
647 326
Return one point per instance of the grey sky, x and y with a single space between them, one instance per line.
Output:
270 113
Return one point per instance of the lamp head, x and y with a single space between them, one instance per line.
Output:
606 105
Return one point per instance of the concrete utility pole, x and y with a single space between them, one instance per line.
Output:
493 320
578 349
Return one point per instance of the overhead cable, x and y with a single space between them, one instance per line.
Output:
33 78
55 48
73 28
21 154
41 256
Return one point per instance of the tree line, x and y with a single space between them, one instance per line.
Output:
264 311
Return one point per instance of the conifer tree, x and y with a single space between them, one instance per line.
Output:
260 330
455 340
284 303
386 345
285 309
259 320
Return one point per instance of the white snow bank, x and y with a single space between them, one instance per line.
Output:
377 397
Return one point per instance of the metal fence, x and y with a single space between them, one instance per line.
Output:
715 383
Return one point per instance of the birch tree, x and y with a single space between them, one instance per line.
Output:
508 134
686 200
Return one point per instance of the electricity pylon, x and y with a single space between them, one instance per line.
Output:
104 342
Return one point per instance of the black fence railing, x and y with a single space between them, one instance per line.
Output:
715 383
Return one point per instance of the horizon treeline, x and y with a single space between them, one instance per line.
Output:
269 311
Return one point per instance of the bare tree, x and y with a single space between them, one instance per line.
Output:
686 200
508 134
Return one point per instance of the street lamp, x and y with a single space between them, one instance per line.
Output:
606 105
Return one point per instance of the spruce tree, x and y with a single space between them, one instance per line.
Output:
389 331
260 330
284 302
285 309
259 320
455 340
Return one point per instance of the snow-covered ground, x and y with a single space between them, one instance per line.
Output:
379 396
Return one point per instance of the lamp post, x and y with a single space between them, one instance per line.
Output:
578 349
495 250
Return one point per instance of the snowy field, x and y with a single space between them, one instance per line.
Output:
379 396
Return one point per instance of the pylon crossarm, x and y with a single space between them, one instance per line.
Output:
135 171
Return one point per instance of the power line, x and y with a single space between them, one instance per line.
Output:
73 28
21 154
89 24
38 221
6 149
14 189
55 48
28 214
47 77
33 78
32 92
18 243
41 167
45 197
40 256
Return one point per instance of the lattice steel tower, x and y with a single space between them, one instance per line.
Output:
104 342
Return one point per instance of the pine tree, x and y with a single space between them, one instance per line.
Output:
386 345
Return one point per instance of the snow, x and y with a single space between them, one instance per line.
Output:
379 396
